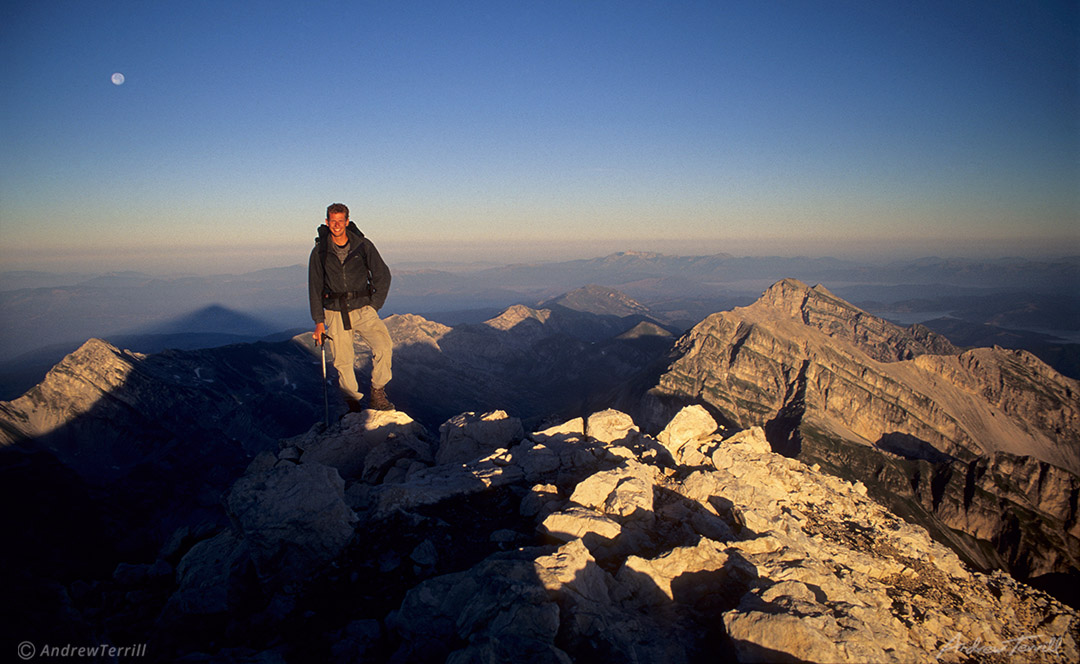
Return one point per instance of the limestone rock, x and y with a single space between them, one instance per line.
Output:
468 436
690 425
292 518
651 581
562 547
208 575
752 439
610 426
432 485
572 576
538 499
625 491
356 641
573 429
580 522
498 607
386 436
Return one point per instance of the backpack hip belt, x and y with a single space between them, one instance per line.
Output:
341 299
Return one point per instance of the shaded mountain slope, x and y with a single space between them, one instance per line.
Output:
155 439
599 300
536 363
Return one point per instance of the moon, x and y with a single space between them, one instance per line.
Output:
118 78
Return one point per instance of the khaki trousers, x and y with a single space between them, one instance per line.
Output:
372 330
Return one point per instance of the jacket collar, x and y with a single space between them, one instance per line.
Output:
351 230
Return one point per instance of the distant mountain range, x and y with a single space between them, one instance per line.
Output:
148 313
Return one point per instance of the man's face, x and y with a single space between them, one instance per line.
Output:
337 223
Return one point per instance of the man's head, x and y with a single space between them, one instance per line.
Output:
337 218
339 208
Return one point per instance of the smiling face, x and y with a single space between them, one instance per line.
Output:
338 221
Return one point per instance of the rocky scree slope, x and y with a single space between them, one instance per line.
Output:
980 446
377 541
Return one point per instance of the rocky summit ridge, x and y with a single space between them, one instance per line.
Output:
981 446
744 520
379 541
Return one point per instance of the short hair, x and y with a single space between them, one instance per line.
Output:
336 208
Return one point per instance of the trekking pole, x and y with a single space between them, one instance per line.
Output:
325 395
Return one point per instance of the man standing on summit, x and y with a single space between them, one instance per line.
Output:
347 285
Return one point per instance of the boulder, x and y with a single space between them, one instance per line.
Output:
539 499
785 637
624 491
348 443
656 581
293 519
690 425
356 641
581 522
468 436
436 484
499 607
573 429
611 426
207 575
752 439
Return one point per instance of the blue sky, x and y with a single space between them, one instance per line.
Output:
491 130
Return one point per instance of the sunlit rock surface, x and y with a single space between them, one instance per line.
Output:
981 446
558 547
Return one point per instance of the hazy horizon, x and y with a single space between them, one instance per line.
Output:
200 262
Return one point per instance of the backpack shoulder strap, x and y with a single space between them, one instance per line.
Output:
322 244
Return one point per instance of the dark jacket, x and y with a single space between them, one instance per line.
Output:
363 279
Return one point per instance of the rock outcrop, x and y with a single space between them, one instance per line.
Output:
589 540
981 446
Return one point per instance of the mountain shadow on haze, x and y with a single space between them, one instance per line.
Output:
208 327
211 318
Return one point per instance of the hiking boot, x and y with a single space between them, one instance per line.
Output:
379 401
354 405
